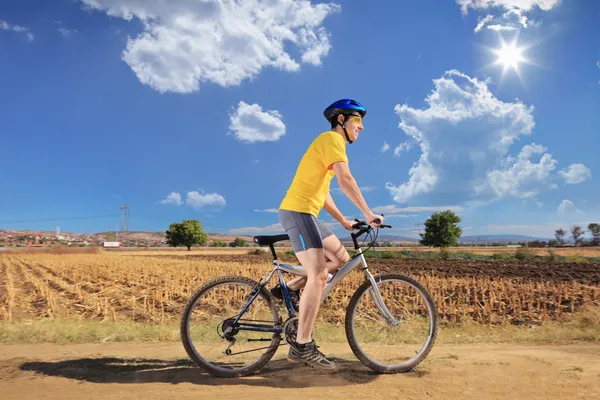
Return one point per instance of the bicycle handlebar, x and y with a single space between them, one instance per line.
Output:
360 224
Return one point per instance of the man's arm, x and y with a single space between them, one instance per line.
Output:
350 187
332 209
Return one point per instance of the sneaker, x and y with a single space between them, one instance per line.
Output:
309 354
277 292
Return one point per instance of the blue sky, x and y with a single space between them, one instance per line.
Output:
203 109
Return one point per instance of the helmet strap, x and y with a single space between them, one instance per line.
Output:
346 132
344 127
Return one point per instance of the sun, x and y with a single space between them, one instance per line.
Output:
510 56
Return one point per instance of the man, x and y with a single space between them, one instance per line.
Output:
316 247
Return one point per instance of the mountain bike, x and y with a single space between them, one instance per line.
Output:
231 326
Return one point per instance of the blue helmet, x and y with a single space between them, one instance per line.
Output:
344 106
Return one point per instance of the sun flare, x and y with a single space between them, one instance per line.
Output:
510 56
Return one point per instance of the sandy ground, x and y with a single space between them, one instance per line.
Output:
162 371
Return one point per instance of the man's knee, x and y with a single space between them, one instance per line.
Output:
341 256
323 274
320 276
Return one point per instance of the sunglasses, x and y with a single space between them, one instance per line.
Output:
354 118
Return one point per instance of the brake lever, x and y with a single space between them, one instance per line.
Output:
359 224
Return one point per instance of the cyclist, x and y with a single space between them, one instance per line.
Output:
319 251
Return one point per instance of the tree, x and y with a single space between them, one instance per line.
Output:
441 230
577 233
594 229
560 235
186 233
238 242
218 243
111 237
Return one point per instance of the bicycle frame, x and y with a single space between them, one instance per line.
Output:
332 281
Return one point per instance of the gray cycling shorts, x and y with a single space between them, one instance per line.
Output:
305 231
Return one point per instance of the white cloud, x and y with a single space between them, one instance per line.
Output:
196 200
482 21
567 209
525 5
392 209
385 147
251 124
576 173
5 26
275 229
66 32
388 216
512 18
186 43
404 146
269 210
465 134
521 179
173 198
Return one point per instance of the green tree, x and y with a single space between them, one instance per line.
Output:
441 230
238 242
186 233
560 235
577 233
218 243
594 229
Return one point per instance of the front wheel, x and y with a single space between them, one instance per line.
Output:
401 341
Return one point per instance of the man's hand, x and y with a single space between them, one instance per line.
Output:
370 218
348 224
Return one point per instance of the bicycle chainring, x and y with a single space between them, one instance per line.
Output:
290 329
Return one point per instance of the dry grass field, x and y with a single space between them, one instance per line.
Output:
153 286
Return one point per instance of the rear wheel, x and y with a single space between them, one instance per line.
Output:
217 344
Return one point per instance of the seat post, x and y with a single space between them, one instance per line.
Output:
273 251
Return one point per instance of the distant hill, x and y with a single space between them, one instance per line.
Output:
499 238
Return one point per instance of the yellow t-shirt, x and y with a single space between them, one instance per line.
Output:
310 186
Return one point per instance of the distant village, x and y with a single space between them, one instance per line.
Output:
44 239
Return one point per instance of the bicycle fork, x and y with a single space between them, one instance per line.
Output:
378 300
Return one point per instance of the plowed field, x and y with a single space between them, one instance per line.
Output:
155 287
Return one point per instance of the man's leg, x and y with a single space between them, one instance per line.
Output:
307 243
313 261
336 256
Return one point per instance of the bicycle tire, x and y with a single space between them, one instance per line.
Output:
197 358
354 345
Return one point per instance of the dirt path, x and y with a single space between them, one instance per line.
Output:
162 371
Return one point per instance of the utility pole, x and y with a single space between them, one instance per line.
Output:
124 220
